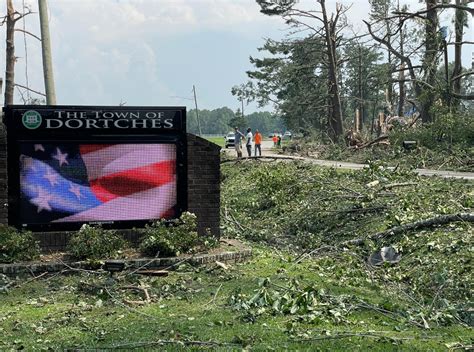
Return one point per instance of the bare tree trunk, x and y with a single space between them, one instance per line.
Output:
389 89
430 61
10 54
361 94
401 77
335 116
401 88
357 121
459 26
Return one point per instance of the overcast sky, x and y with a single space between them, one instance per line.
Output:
151 52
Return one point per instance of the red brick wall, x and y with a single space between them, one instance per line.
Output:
204 183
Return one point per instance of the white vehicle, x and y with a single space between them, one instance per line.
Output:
230 140
287 135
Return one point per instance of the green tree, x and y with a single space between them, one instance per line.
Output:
294 79
265 122
212 121
327 30
238 121
364 79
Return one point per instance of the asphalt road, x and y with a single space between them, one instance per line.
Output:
267 150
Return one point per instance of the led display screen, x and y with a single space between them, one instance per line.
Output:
79 182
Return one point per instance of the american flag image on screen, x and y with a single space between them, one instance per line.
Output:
96 182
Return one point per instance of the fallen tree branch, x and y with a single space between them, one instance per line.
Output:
141 289
258 158
310 253
96 272
355 210
349 335
372 142
215 296
30 280
437 220
122 304
169 342
403 184
163 269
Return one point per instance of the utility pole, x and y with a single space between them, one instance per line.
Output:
197 112
46 50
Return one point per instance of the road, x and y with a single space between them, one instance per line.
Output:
267 150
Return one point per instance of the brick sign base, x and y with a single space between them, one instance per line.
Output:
203 192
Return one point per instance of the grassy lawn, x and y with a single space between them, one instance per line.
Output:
195 308
280 299
217 140
220 141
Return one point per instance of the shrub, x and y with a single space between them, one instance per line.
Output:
95 243
446 131
17 245
170 238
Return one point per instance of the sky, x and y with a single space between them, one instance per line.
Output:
152 52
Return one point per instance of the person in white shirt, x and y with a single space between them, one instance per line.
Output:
248 144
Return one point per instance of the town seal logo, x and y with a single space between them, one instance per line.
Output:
31 119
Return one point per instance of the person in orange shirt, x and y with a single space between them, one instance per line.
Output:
258 142
275 140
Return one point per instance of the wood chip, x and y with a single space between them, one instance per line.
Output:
222 265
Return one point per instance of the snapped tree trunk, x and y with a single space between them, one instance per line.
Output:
335 110
401 77
430 61
460 19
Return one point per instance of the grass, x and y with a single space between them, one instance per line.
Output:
67 312
221 142
217 140
418 304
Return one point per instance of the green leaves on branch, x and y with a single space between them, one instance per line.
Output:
308 302
17 245
95 243
170 238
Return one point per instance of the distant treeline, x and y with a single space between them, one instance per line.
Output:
222 120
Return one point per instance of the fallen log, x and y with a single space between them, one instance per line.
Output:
257 158
438 220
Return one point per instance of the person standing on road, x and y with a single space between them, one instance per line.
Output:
258 143
248 144
237 138
275 140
